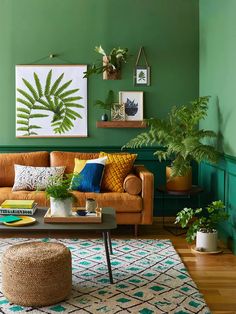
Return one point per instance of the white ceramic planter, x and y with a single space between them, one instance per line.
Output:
61 208
207 242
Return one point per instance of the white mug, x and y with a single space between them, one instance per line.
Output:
90 205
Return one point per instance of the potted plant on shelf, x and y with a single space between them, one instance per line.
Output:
202 225
61 199
110 65
106 105
180 140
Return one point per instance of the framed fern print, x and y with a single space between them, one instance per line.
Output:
133 102
51 101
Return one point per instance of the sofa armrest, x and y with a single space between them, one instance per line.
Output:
147 192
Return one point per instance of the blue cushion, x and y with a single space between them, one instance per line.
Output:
88 175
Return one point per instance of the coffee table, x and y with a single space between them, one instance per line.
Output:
108 223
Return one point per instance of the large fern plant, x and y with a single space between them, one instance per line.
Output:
179 137
54 97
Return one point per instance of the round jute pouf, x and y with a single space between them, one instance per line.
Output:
36 273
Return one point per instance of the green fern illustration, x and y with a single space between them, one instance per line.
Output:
54 97
141 76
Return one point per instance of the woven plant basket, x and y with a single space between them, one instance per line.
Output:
36 273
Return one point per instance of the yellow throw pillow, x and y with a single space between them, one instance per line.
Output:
116 169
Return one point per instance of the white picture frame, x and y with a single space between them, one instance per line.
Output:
51 101
133 102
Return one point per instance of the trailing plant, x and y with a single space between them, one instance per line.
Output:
108 103
53 97
200 219
179 137
114 59
60 188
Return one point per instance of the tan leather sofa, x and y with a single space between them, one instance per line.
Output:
130 209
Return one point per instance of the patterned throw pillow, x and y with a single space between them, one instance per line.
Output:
88 174
117 168
35 178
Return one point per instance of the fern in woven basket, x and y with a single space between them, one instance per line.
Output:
179 138
54 97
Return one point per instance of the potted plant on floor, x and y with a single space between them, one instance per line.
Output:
202 225
110 65
61 199
180 141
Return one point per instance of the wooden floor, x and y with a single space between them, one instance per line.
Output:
215 275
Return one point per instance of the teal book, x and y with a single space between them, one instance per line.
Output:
10 218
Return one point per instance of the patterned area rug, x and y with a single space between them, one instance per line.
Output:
149 278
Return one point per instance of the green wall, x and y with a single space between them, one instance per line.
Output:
218 79
218 68
168 29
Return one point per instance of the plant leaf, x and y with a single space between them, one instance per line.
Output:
48 83
31 88
62 88
38 85
25 122
22 129
23 116
69 92
24 102
38 115
56 84
34 127
22 92
23 110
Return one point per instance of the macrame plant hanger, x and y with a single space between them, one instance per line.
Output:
141 72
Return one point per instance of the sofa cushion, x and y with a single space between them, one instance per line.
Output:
39 196
132 184
35 178
67 159
122 202
116 169
88 174
7 161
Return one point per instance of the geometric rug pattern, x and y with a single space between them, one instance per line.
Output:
149 278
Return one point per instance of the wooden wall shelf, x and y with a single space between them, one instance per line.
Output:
121 124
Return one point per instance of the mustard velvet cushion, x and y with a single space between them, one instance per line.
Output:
116 169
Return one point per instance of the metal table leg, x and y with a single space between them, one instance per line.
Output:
109 241
105 233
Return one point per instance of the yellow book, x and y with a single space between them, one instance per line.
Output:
18 204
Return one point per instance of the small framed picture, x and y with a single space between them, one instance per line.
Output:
133 102
118 112
142 75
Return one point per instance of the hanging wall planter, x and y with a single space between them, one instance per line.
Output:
110 64
110 73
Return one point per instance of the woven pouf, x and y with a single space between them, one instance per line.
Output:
36 273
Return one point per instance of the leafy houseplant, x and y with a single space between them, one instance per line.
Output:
58 190
110 65
202 223
179 137
106 105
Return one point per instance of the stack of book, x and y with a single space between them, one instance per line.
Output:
18 207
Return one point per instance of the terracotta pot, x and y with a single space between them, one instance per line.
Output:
180 183
111 74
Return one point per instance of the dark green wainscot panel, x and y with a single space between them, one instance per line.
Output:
219 182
